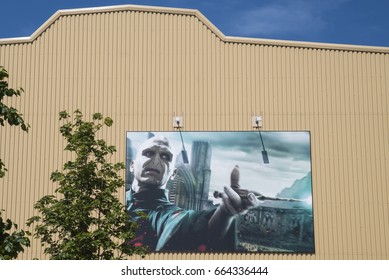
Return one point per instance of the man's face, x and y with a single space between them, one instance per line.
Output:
154 164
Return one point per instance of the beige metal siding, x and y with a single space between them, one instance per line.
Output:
141 66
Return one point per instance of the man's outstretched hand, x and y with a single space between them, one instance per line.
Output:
231 205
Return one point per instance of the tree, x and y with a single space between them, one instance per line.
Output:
87 221
12 241
9 114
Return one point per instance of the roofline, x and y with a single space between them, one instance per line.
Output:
202 18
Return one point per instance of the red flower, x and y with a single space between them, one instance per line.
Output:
202 248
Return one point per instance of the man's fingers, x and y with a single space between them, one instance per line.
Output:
235 175
235 199
252 200
231 193
227 205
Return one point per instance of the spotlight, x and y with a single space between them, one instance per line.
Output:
178 124
257 123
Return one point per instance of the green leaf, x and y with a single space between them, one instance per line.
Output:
108 121
63 115
97 116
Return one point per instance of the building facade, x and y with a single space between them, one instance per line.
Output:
144 65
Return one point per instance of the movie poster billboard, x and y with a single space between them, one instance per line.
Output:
220 191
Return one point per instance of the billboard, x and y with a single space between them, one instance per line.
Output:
220 191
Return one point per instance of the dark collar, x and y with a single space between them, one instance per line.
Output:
149 199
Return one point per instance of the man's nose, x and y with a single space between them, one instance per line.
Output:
157 159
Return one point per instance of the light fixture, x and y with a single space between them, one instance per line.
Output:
257 123
178 124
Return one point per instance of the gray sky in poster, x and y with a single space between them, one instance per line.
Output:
289 155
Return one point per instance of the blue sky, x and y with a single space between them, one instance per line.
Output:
356 22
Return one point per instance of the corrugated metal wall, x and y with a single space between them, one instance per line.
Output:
143 67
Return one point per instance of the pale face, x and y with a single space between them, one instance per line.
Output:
154 164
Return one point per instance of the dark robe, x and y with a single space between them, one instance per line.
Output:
163 226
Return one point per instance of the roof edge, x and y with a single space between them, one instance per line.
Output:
202 18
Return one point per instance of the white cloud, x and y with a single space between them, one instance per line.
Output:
286 17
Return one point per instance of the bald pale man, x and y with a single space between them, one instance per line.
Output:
163 225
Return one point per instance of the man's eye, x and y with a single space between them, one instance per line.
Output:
166 157
148 154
